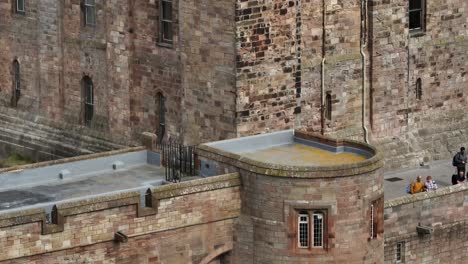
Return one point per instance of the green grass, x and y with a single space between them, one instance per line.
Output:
15 160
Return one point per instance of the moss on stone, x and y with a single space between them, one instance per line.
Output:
15 160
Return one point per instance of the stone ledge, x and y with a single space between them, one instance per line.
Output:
411 198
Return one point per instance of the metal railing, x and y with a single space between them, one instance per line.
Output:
178 160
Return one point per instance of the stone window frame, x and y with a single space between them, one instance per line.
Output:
17 7
164 20
88 7
400 252
16 89
292 209
375 216
422 17
87 100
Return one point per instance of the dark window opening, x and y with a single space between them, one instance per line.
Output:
416 15
89 10
54 215
20 7
328 106
418 89
88 100
318 229
16 93
148 198
161 104
166 21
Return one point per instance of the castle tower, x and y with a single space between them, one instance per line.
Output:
304 198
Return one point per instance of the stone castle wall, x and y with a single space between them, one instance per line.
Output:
188 222
445 211
405 127
127 64
239 68
280 51
279 73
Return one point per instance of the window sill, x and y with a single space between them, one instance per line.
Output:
20 13
310 251
165 45
417 33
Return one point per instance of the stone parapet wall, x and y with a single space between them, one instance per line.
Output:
206 207
444 210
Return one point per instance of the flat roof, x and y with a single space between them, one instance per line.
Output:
284 148
49 185
396 181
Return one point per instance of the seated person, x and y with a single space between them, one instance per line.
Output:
418 186
430 184
458 178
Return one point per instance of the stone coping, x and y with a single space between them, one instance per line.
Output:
411 198
371 164
113 200
71 159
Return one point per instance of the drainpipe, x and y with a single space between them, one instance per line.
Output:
322 110
363 57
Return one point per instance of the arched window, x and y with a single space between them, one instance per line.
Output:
16 93
418 89
88 100
161 104
328 106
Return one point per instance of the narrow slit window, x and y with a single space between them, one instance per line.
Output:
90 12
416 15
88 102
372 227
318 229
162 116
16 83
418 89
400 252
303 230
328 106
166 21
20 6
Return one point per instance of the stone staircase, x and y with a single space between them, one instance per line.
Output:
35 137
